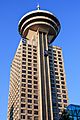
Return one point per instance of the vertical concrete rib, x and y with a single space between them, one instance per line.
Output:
42 78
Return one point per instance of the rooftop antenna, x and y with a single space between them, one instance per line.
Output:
38 7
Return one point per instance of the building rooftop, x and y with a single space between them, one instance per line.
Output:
37 19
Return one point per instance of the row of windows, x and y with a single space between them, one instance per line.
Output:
30 60
57 81
29 95
58 86
29 90
30 117
30 86
58 90
56 77
29 56
55 55
34 50
29 101
55 65
31 46
28 106
29 76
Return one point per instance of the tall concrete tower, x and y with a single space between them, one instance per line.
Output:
32 72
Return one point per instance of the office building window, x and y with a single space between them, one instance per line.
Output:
35 54
29 86
58 86
22 105
22 99
35 101
35 107
35 117
29 117
24 76
35 47
63 87
24 51
29 45
22 111
60 66
35 82
23 89
61 74
24 48
23 71
59 55
29 64
62 82
23 63
36 87
29 81
62 78
29 60
29 68
34 50
34 57
29 96
29 101
35 65
29 56
59 105
59 100
35 73
23 67
59 59
23 55
24 59
35 77
35 96
56 73
30 77
57 82
61 70
35 61
29 72
55 65
29 90
29 106
29 111
23 94
36 112
58 95
22 116
58 90
36 91
23 80
29 52
65 101
23 85
64 96
29 49
63 91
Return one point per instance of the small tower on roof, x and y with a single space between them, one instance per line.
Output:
38 7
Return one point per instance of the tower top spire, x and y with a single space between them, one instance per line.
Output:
38 7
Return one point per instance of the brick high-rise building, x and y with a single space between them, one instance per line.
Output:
37 78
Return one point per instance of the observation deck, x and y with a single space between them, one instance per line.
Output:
39 18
